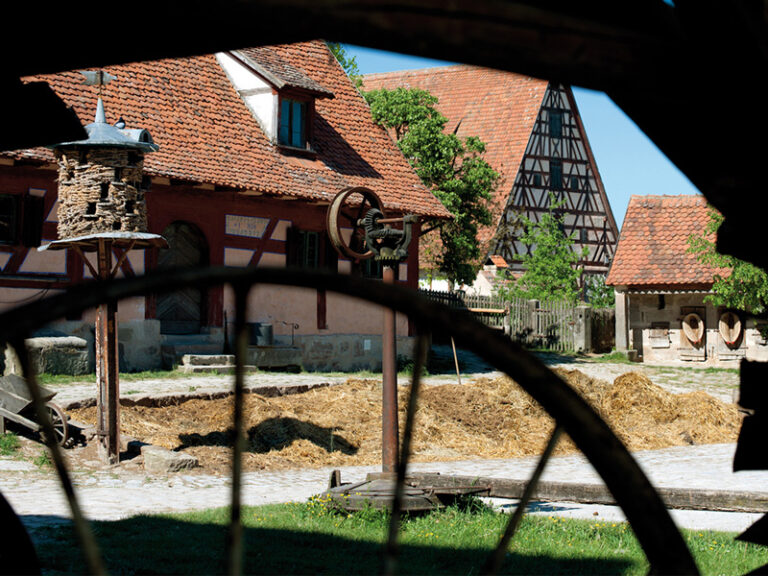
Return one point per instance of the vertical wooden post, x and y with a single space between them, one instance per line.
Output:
456 361
107 369
389 423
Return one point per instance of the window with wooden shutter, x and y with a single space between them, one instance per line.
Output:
9 218
555 123
311 250
32 226
555 174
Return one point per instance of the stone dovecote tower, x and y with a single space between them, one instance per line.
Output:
101 184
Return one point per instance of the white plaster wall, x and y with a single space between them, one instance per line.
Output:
481 286
262 102
264 107
439 284
273 259
644 310
237 256
46 262
136 258
278 304
13 297
128 310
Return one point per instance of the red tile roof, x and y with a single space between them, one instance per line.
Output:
653 245
207 134
498 107
274 68
498 261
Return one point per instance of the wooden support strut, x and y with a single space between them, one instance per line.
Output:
107 372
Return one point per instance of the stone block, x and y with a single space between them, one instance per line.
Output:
139 345
347 352
58 355
274 357
158 460
208 360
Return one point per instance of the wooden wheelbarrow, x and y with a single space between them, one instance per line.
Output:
16 406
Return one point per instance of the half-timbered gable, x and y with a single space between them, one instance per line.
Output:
558 166
535 139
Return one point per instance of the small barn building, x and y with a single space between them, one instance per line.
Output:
662 315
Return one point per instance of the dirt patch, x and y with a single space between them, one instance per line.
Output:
486 418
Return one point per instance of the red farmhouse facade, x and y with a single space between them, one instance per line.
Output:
253 146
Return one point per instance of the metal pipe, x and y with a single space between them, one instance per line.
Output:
391 552
389 424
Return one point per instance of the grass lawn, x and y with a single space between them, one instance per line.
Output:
307 538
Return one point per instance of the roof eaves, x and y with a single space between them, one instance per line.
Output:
670 289
277 81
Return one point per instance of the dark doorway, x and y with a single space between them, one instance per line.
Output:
182 312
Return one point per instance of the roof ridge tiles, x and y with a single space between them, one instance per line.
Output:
435 69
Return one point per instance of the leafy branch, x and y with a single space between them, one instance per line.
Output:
740 285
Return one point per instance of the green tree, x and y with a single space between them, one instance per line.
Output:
348 63
597 293
740 285
551 269
450 166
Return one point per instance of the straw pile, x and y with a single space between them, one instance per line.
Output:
341 425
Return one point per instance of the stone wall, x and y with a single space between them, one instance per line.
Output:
347 352
100 190
139 342
656 333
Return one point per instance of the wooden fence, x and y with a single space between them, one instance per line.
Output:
557 326
489 310
549 325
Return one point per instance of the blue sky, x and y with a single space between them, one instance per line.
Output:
629 163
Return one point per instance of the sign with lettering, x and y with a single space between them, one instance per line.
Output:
249 226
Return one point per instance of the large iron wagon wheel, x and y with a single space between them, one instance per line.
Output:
660 539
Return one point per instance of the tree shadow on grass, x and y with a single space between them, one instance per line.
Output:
275 434
162 545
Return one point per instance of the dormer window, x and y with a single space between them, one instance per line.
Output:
280 96
293 129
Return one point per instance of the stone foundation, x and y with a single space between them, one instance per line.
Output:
347 352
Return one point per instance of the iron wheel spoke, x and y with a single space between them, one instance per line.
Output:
391 552
235 537
494 561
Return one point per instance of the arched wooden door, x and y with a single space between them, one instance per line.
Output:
182 312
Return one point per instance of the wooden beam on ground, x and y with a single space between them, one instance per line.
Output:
680 498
